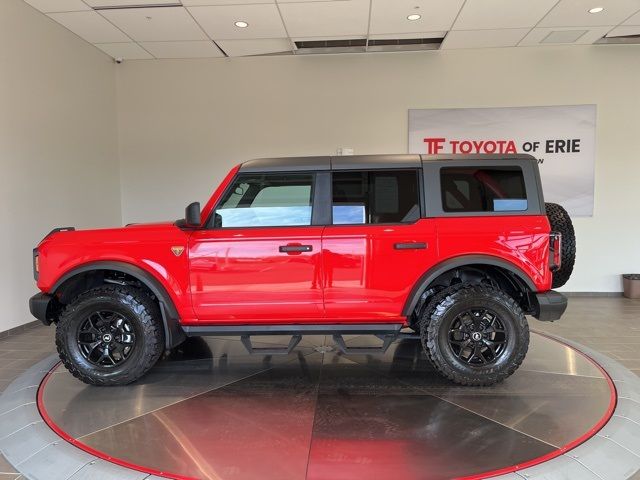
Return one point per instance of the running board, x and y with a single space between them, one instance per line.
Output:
246 341
294 329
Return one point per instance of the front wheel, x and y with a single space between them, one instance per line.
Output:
110 335
475 334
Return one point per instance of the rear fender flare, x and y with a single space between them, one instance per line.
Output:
434 272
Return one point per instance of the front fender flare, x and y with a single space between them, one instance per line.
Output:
173 332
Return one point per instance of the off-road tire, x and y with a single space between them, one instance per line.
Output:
441 313
561 222
138 308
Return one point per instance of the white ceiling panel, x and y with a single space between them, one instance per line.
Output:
240 48
493 14
50 6
90 26
540 36
633 20
624 31
126 51
122 3
198 49
575 13
483 38
219 22
325 19
392 36
189 3
156 24
391 16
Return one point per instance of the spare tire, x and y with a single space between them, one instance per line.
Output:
561 222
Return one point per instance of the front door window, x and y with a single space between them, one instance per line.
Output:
271 200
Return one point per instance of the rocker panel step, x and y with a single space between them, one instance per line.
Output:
307 329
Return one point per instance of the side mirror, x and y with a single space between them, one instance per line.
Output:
217 221
192 216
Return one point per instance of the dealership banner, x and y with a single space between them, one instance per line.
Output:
561 138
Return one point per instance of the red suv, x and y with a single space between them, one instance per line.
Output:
456 248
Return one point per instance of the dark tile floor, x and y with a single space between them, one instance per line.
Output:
609 325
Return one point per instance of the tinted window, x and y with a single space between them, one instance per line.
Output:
386 196
483 189
267 201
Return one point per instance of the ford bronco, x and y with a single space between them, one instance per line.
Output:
452 249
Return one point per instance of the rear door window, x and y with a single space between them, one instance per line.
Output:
369 197
483 189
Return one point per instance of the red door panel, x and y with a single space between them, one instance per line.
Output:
370 269
268 275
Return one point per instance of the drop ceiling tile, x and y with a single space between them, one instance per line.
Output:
325 19
122 3
575 13
219 22
126 51
156 24
624 31
50 6
90 26
633 20
393 36
240 48
391 16
493 14
197 49
483 38
189 3
537 36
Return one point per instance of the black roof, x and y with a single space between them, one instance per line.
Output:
351 162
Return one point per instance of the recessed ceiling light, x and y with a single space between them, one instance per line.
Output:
596 10
414 16
241 24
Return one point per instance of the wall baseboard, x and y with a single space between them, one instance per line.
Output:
592 294
20 329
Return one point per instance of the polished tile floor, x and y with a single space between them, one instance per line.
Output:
610 325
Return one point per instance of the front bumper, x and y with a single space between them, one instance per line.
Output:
551 306
39 306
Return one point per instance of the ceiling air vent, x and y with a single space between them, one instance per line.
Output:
404 44
361 45
331 46
137 5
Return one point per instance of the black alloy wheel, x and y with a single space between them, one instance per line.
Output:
478 337
106 338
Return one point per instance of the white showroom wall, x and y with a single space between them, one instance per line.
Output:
183 123
58 144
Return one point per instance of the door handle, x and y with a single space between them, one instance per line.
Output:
410 246
293 248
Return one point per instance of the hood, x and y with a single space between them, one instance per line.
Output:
133 231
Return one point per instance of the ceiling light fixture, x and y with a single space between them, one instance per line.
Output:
241 24
596 10
414 16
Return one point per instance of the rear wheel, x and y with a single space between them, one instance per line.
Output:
474 334
110 335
